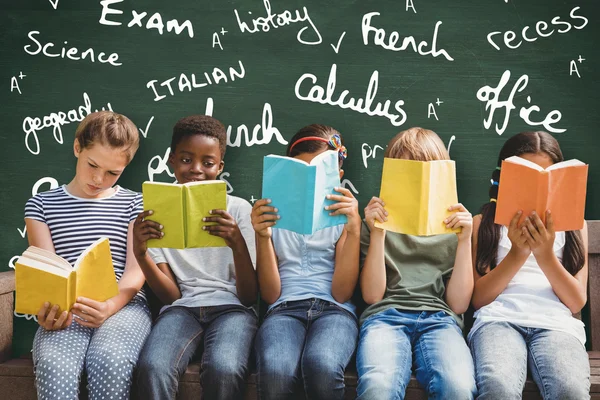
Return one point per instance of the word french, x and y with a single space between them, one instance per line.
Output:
379 39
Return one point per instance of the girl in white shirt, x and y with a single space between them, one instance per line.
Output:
529 280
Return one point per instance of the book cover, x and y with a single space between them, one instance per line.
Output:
417 195
42 276
179 208
560 188
298 189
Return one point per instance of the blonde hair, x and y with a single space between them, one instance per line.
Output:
417 144
108 128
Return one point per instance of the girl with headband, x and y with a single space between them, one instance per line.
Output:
310 330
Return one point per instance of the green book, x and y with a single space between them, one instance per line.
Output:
179 208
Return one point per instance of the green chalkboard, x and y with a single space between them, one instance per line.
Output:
474 71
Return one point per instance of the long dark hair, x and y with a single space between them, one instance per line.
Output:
489 232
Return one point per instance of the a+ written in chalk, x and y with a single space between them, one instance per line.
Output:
223 31
580 59
21 76
438 102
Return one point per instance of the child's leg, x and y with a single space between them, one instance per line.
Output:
227 346
500 356
443 362
330 343
176 335
278 346
114 349
384 355
58 358
559 365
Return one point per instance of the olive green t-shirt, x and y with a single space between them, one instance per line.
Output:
417 269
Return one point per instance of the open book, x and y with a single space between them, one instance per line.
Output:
179 208
417 195
526 186
298 189
43 276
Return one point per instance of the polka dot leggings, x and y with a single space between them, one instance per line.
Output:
108 353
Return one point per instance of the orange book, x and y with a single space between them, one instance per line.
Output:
526 186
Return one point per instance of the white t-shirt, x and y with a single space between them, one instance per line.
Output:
206 276
529 300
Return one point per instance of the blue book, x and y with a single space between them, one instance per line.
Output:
298 191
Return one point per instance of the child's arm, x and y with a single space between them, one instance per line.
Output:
160 278
571 290
38 234
93 313
490 285
245 275
372 277
347 249
263 218
460 286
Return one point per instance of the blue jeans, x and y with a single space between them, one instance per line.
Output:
226 332
392 341
558 362
304 346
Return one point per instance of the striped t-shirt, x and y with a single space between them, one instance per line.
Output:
75 222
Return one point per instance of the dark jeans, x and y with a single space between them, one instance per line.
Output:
227 332
305 346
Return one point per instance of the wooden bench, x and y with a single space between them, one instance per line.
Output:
17 379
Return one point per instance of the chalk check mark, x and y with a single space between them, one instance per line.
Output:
54 3
337 48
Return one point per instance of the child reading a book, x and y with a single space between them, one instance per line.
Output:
416 287
208 291
529 280
104 338
310 330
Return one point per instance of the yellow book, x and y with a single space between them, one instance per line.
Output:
179 208
417 195
43 276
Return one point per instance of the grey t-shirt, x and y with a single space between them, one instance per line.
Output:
206 276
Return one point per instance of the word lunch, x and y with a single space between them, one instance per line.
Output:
72 53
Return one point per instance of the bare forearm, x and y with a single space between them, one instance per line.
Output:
129 285
245 276
460 285
345 274
568 289
267 270
372 278
489 286
165 289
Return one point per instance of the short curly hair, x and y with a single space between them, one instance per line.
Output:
199 125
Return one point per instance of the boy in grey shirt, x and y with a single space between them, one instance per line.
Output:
208 291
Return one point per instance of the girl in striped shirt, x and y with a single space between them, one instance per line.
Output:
104 338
